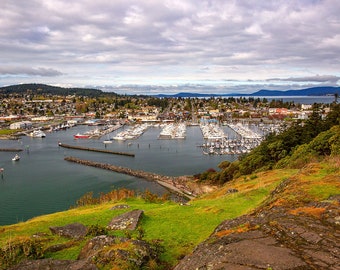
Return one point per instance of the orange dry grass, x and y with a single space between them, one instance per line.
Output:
121 245
240 229
312 183
312 211
279 202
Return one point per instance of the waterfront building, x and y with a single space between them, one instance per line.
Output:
21 125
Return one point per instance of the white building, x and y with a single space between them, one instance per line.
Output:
21 125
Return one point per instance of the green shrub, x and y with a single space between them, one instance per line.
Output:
14 252
96 230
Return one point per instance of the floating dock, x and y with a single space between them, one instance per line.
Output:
11 149
95 150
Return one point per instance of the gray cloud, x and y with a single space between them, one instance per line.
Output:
172 41
317 78
48 72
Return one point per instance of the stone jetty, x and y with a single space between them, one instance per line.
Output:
95 150
169 182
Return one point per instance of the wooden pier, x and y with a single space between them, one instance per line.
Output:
95 150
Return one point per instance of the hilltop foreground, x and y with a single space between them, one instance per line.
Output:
279 219
296 228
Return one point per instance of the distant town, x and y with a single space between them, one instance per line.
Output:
33 109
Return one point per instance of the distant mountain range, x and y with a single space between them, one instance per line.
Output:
313 91
43 88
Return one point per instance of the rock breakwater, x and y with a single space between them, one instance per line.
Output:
169 182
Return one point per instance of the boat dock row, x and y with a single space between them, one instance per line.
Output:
11 149
244 131
212 131
131 133
98 132
173 131
229 146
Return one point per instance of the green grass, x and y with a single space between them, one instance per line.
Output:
324 191
8 131
179 227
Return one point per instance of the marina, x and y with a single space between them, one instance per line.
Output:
43 182
246 138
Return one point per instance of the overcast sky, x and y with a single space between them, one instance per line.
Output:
198 46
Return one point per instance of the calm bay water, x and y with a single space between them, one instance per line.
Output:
302 99
42 182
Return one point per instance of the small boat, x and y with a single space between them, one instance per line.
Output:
81 136
16 158
107 141
37 134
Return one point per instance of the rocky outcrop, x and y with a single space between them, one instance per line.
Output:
126 221
274 237
102 251
74 230
120 252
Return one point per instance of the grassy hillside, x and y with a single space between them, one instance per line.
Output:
179 227
296 227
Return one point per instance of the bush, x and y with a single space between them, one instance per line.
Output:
154 198
14 252
96 230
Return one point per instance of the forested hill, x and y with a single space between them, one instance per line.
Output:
49 89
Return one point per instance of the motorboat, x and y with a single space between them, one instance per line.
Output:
81 136
16 158
37 134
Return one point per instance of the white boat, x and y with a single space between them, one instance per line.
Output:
16 158
37 134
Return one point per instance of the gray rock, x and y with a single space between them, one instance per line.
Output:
74 230
50 264
271 238
126 221
120 206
